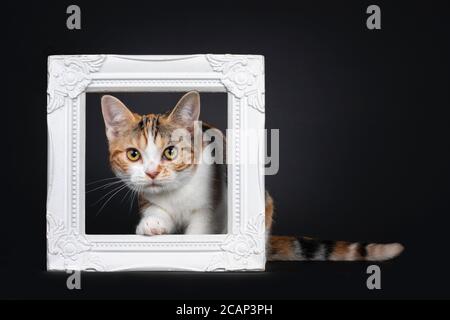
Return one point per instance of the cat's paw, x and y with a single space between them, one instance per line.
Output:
152 226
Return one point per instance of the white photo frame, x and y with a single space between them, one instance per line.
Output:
70 77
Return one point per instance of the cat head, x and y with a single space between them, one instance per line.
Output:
152 152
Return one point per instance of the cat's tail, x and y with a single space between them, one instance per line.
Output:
299 249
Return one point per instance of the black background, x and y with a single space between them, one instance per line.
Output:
110 208
364 137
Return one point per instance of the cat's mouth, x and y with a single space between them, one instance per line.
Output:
153 184
153 187
147 185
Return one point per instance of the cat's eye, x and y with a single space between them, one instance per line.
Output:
133 154
170 153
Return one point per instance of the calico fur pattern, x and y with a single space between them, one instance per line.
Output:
184 194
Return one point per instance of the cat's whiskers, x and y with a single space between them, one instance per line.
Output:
126 194
107 185
109 192
132 198
100 180
135 195
112 196
123 183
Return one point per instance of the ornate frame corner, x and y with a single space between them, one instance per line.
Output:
70 77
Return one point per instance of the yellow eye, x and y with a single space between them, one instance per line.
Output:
133 154
170 153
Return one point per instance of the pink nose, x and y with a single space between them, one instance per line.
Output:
152 174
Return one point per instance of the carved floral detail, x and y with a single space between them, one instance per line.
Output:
65 243
69 76
241 245
242 76
238 248
71 246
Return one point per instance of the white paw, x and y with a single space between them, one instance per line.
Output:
151 226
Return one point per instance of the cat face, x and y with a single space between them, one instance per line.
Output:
154 152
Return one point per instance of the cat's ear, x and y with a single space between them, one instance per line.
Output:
187 110
116 116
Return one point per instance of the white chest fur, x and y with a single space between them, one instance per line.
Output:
195 194
195 200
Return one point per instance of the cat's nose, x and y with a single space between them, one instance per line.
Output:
152 174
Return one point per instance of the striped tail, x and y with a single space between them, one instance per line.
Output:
284 248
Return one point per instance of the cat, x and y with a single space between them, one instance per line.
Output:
179 195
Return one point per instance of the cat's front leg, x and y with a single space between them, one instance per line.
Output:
200 222
155 221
